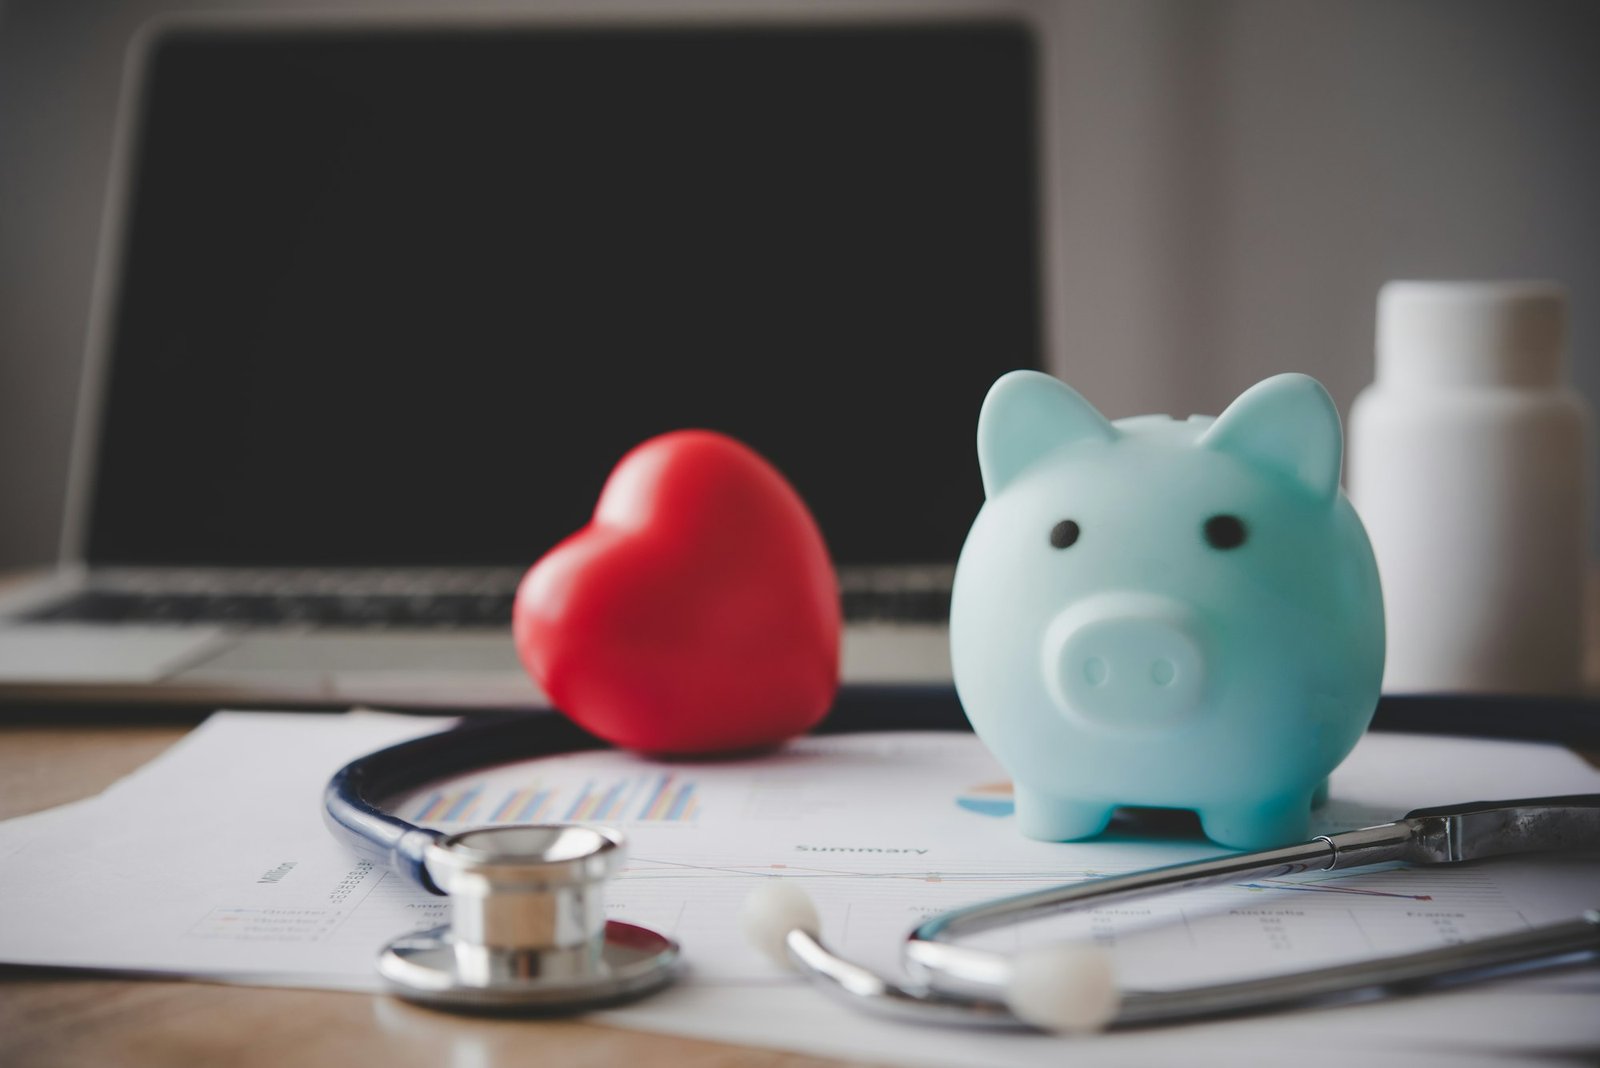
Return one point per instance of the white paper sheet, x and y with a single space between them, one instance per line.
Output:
212 862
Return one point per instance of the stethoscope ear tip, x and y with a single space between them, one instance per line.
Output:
772 910
1067 988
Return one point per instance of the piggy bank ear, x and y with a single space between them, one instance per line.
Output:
1026 415
1287 424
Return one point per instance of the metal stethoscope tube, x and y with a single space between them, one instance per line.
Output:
952 983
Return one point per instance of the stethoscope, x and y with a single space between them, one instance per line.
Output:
528 932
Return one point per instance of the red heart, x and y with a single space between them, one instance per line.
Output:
697 612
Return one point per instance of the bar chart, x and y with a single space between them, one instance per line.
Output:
664 797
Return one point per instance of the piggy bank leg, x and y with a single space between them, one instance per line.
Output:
1319 797
1263 823
1054 819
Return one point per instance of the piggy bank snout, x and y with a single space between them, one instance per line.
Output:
1125 661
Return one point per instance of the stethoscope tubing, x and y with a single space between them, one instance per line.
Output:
354 796
952 983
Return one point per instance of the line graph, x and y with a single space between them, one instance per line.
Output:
1375 885
656 868
1325 888
868 902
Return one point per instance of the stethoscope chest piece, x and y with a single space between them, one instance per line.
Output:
527 927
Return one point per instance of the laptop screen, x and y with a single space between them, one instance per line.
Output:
405 297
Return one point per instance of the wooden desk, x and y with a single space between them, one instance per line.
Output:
62 1018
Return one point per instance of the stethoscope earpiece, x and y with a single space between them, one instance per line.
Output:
1069 988
1065 987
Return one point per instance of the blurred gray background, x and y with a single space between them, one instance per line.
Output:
1238 177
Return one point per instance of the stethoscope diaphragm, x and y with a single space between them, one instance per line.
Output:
527 930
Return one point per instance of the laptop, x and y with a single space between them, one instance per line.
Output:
381 304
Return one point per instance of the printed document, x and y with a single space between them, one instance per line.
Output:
212 862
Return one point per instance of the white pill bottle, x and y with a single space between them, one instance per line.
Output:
1470 466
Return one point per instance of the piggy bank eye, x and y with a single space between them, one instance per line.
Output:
1225 531
1063 534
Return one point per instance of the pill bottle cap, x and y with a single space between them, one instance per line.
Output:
1471 333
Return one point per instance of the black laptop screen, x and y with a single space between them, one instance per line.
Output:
406 297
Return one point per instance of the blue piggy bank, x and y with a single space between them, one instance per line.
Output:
1162 613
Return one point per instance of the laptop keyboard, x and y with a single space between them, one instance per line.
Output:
377 611
897 606
373 611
